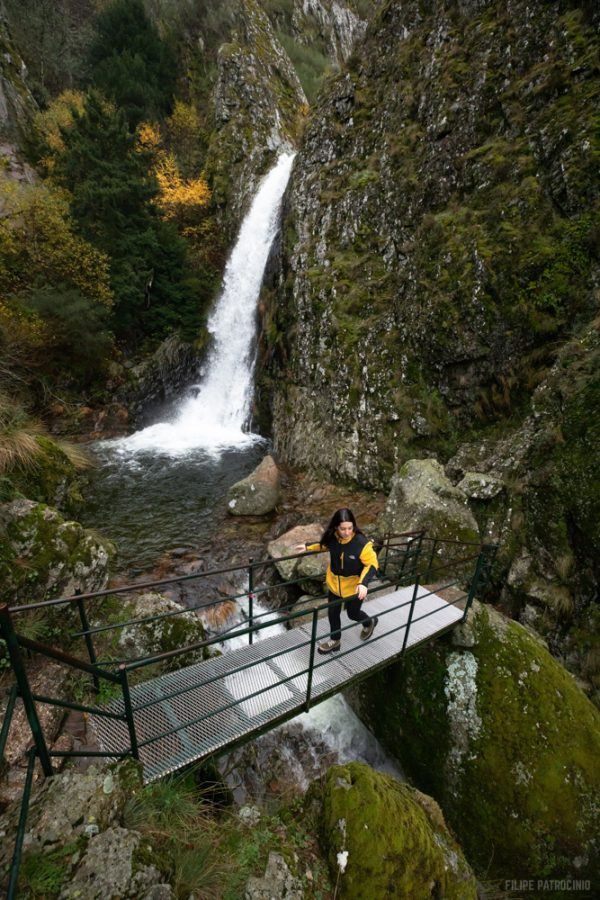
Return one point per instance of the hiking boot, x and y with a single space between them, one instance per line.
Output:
329 646
367 630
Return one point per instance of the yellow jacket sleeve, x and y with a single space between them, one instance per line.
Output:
368 558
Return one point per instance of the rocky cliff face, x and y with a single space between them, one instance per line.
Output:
338 25
258 102
441 232
16 104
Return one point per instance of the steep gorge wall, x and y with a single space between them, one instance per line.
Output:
441 234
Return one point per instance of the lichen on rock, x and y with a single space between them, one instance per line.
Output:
501 735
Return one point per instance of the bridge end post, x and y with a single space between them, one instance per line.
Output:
9 636
251 598
129 710
481 575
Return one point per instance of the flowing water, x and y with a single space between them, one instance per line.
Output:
159 488
162 488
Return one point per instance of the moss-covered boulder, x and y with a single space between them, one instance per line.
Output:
165 626
42 554
386 839
491 725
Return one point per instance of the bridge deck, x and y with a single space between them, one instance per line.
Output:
218 706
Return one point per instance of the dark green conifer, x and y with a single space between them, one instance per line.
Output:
108 174
130 63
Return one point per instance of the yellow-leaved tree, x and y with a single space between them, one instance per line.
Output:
38 244
184 201
48 124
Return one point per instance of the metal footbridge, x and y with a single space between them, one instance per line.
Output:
209 707
243 680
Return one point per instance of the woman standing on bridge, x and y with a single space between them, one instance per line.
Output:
352 565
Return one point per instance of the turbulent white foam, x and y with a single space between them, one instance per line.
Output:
217 415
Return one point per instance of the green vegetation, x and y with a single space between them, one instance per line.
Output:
108 175
42 875
502 713
130 63
310 62
207 850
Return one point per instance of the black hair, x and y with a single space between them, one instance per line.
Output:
339 516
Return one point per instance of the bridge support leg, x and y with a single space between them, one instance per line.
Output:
12 645
311 662
410 614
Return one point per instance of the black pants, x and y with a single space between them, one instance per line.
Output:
352 606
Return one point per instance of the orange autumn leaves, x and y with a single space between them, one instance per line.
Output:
181 200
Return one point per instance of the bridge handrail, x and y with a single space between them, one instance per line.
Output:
206 605
308 642
176 579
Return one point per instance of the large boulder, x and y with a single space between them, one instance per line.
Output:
41 554
258 493
491 725
175 630
311 567
421 496
386 839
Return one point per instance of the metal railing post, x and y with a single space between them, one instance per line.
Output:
129 711
480 565
431 559
16 858
250 598
410 615
8 635
88 638
311 661
386 544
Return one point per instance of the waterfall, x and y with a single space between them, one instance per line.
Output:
218 414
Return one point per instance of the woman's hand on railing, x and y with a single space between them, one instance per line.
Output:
299 548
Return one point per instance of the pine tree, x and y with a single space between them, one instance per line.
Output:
130 63
108 175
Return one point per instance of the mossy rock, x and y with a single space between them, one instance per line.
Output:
42 554
51 479
491 725
395 838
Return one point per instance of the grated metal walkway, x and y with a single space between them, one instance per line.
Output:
213 706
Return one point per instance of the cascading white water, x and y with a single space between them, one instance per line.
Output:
217 415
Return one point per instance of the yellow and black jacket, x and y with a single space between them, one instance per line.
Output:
352 562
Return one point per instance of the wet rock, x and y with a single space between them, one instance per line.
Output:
172 368
258 493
